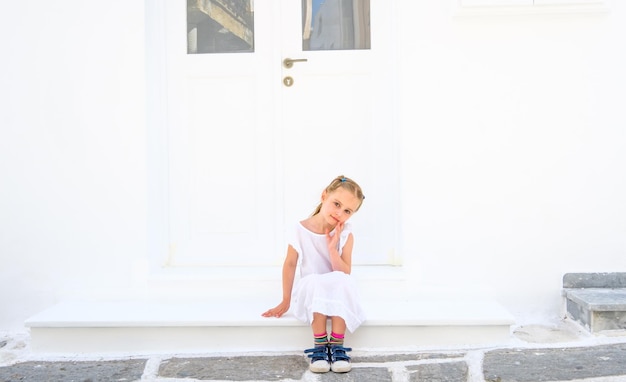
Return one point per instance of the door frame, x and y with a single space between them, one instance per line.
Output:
159 247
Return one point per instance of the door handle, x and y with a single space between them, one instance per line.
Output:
288 62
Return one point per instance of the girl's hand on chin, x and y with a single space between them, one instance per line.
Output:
333 241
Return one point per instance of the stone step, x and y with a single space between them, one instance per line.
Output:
597 301
595 280
597 309
431 319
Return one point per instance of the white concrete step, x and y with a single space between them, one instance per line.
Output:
231 321
150 326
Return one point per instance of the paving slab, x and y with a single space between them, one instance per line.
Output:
361 374
439 372
386 358
269 368
556 364
93 371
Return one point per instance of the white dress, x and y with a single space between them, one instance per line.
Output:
320 289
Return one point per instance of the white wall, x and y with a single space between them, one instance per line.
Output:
513 147
513 150
72 150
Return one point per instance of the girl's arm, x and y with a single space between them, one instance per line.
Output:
289 273
343 262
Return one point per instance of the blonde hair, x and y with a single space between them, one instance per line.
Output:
346 183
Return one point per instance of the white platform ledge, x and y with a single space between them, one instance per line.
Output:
203 325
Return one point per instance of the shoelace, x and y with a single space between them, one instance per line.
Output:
338 353
319 353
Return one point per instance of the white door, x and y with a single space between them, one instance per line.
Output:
252 141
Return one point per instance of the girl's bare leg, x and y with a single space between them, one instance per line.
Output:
319 323
338 325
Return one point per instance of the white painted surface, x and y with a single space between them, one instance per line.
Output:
234 324
511 158
73 195
512 151
249 157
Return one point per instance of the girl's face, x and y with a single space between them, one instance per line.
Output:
339 206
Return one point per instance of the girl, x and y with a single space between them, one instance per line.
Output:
322 244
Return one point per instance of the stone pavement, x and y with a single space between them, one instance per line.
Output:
535 354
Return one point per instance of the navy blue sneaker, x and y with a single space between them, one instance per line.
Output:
339 360
320 359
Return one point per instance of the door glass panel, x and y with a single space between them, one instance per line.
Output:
220 26
335 24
